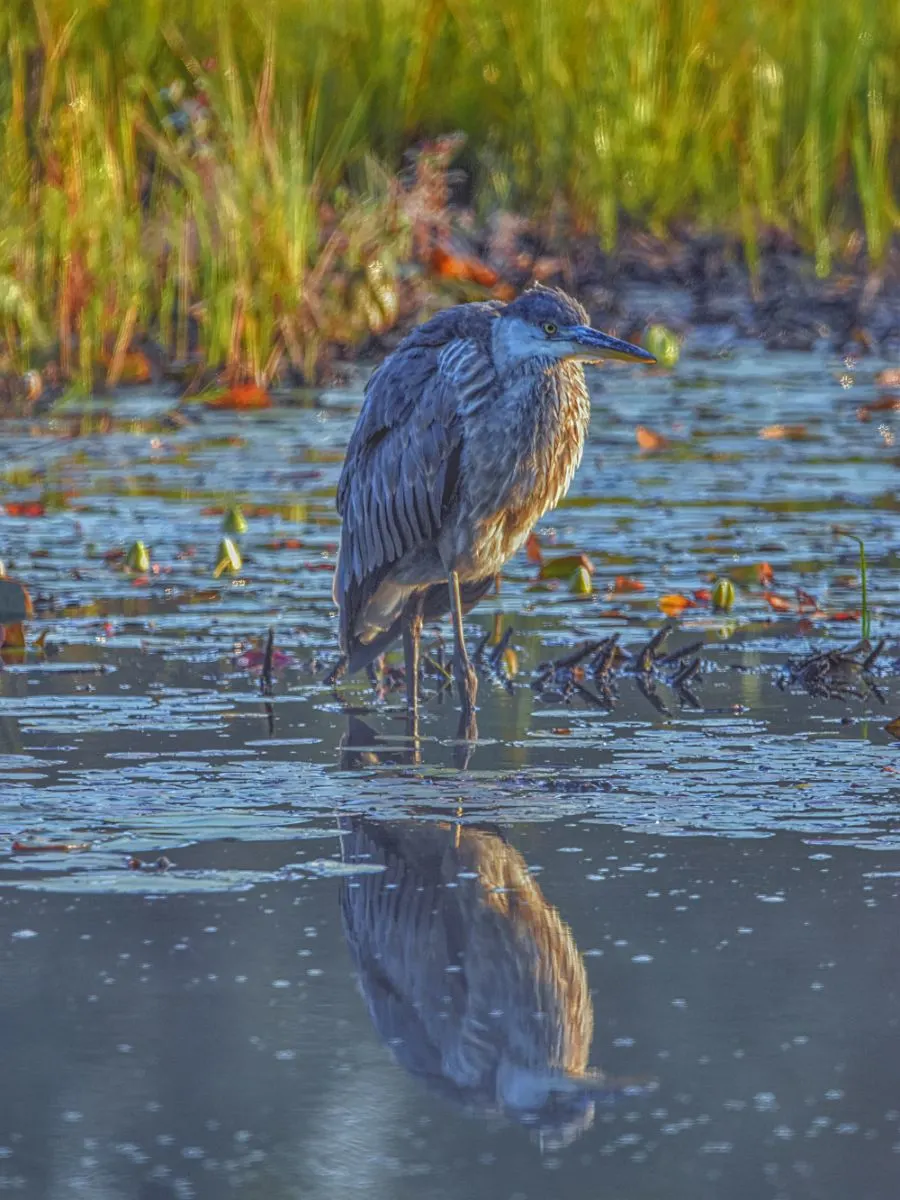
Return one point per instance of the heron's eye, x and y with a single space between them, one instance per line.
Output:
549 328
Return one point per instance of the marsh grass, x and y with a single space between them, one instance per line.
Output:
223 176
865 612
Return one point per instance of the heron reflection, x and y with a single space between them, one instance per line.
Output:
470 976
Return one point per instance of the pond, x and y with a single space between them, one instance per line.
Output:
263 947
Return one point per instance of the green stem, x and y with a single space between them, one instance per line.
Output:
866 618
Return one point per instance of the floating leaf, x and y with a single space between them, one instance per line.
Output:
24 508
777 603
138 558
580 582
882 404
702 595
649 441
235 521
789 433
510 661
533 550
765 574
229 558
562 567
242 396
893 728
624 584
723 596
253 660
663 344
49 847
674 603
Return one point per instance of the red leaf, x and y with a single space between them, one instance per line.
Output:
242 396
778 603
533 549
703 595
463 267
25 508
675 603
48 847
252 660
648 441
624 584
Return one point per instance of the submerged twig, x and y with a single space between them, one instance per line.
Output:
266 683
836 674
563 676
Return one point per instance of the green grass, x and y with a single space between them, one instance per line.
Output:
274 223
865 611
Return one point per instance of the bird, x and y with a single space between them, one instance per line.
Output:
469 432
470 976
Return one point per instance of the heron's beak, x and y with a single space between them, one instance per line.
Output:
591 345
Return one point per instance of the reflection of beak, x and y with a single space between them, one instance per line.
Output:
600 345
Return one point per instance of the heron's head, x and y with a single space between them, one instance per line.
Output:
545 325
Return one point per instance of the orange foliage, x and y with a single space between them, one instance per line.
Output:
675 603
242 396
463 267
533 550
24 508
648 441
778 603
624 584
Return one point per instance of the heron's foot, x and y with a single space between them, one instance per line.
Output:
466 685
467 736
468 726
337 672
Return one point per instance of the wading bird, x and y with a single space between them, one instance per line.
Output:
470 976
469 432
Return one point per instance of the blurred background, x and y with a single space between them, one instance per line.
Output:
265 187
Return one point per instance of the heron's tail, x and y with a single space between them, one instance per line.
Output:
436 605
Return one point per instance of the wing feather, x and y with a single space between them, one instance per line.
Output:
403 460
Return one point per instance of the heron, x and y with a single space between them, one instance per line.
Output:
470 976
469 432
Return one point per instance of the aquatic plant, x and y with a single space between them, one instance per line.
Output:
865 615
223 178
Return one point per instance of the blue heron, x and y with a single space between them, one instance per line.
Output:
470 431
471 977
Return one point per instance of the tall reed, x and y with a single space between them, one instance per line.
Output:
263 225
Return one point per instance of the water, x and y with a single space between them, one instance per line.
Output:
717 886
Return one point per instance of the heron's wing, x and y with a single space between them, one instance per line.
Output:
402 466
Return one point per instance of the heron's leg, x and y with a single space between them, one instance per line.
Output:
337 672
466 679
412 632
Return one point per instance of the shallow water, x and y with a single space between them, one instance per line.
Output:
725 876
